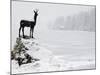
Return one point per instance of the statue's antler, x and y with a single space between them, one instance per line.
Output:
37 10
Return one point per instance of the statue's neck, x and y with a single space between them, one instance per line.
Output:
35 17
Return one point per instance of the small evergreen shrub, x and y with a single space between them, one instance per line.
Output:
19 53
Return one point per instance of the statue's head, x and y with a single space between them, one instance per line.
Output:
36 12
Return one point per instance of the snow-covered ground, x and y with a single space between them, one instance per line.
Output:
58 51
47 61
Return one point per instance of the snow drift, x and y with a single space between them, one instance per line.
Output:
47 61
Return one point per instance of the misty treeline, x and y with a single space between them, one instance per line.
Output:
82 21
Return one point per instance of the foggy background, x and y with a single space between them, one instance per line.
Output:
82 21
64 29
55 16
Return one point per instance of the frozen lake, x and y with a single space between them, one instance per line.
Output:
68 42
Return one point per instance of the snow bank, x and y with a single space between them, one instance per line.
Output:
47 62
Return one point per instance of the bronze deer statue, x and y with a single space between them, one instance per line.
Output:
31 24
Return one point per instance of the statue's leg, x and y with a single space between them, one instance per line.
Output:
19 31
30 32
23 32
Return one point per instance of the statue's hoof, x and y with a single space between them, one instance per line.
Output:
23 36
